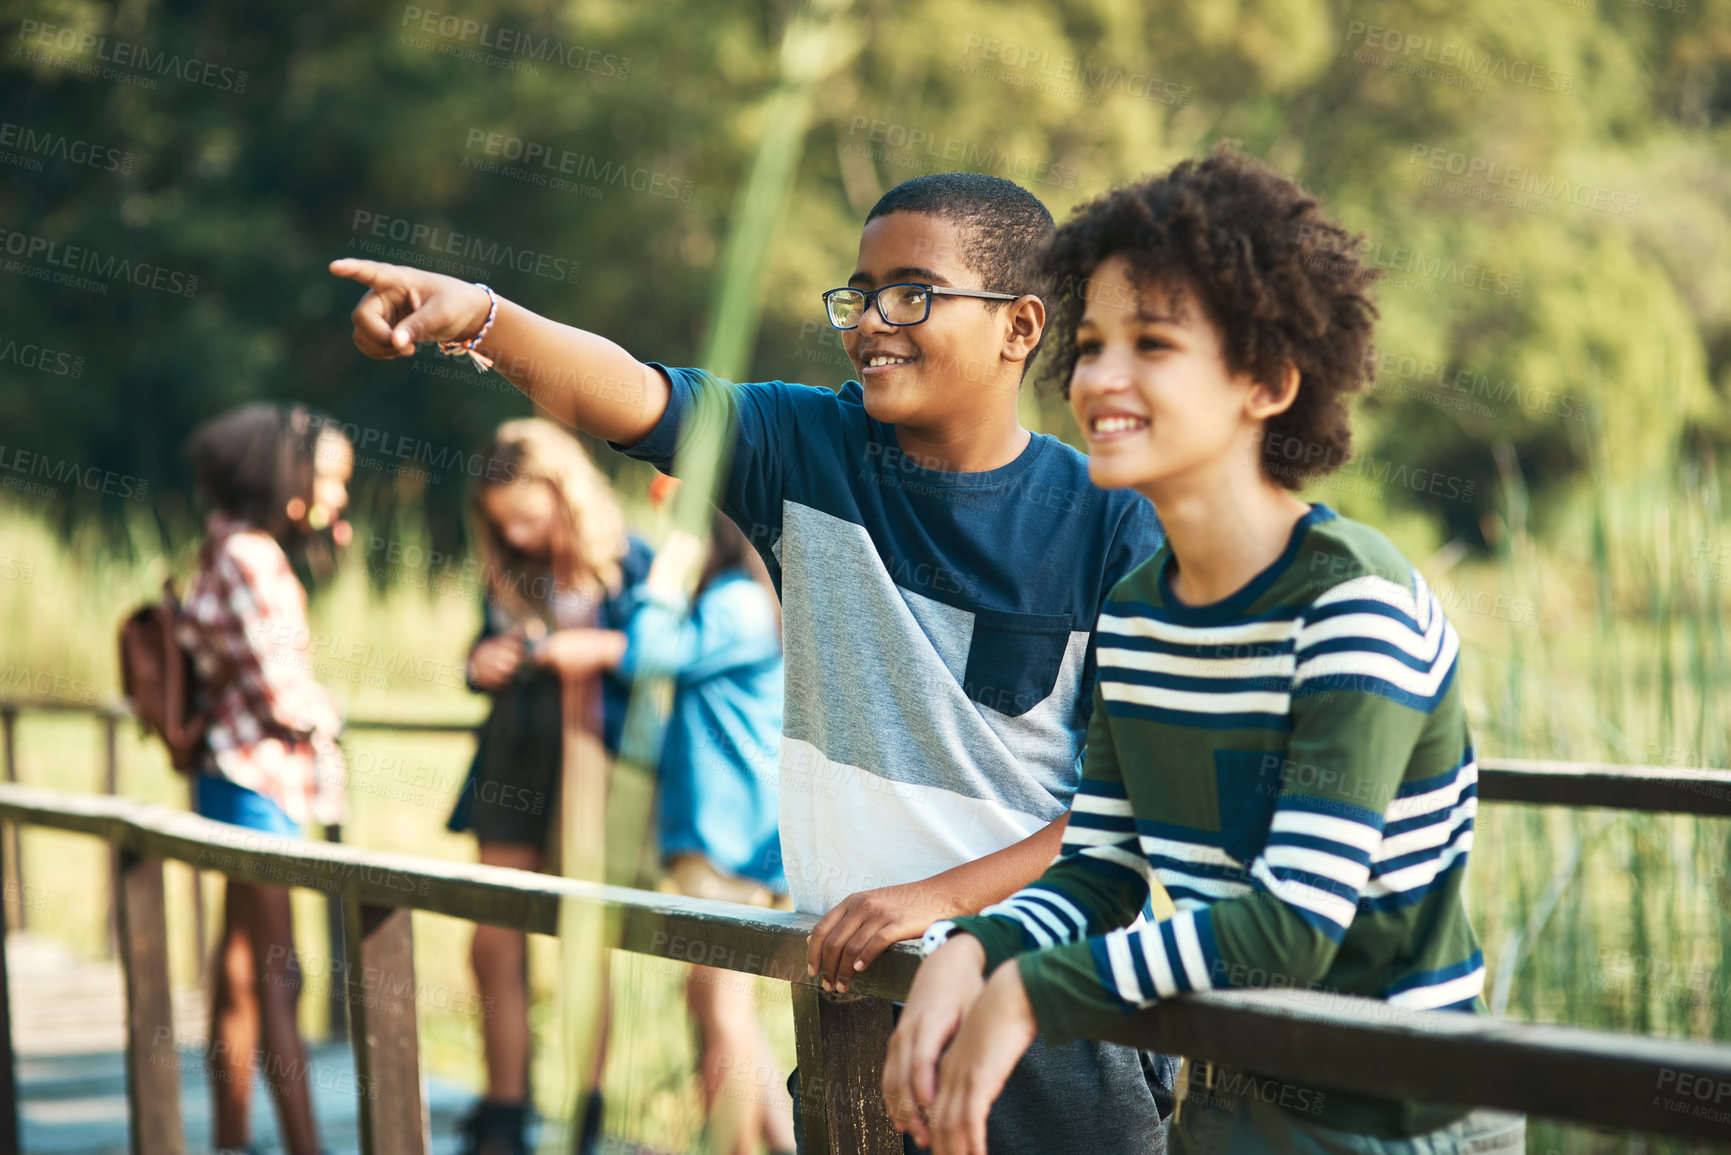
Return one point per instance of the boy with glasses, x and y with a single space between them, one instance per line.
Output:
940 569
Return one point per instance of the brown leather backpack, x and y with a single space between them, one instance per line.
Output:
160 680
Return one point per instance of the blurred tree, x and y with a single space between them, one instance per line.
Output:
1590 143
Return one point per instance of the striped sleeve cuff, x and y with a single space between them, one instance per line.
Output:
1046 916
1077 989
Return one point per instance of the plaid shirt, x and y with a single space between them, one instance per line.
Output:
273 728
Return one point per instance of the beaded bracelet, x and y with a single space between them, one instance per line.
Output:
458 348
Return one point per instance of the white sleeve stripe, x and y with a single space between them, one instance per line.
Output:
1330 826
1159 966
1098 804
1443 994
1123 971
1089 836
1250 666
1185 851
1373 587
1246 633
1030 912
1383 668
1414 805
1419 874
1373 627
1005 910
1213 887
1424 837
1118 856
1342 870
1197 701
1335 908
1190 950
1062 902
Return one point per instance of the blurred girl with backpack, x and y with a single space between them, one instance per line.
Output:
274 475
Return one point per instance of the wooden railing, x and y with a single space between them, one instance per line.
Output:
1606 1079
1611 1080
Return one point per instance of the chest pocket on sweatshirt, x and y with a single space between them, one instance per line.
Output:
1247 786
1014 659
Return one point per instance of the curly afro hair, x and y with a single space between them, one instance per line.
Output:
1280 282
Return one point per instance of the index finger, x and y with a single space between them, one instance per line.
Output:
368 273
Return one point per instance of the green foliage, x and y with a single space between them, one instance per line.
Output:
1623 311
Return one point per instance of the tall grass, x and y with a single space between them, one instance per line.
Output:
1592 918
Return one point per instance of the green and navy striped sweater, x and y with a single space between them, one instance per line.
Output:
1293 765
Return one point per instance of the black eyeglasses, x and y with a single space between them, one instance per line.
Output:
903 304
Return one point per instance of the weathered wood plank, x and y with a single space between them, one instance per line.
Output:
750 939
840 1042
1613 1080
111 785
12 850
152 1063
380 982
1666 789
8 1067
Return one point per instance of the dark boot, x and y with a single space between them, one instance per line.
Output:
495 1129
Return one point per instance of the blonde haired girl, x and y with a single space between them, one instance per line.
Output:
558 568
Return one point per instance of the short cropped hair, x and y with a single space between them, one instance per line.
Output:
1281 283
1005 224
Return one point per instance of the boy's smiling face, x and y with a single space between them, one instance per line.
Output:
1160 410
950 366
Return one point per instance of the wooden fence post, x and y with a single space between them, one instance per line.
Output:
338 1031
840 1041
152 1061
199 948
380 981
8 1072
111 786
14 843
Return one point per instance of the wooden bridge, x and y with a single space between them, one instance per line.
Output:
1612 1080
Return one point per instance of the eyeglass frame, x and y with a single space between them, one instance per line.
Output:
871 300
